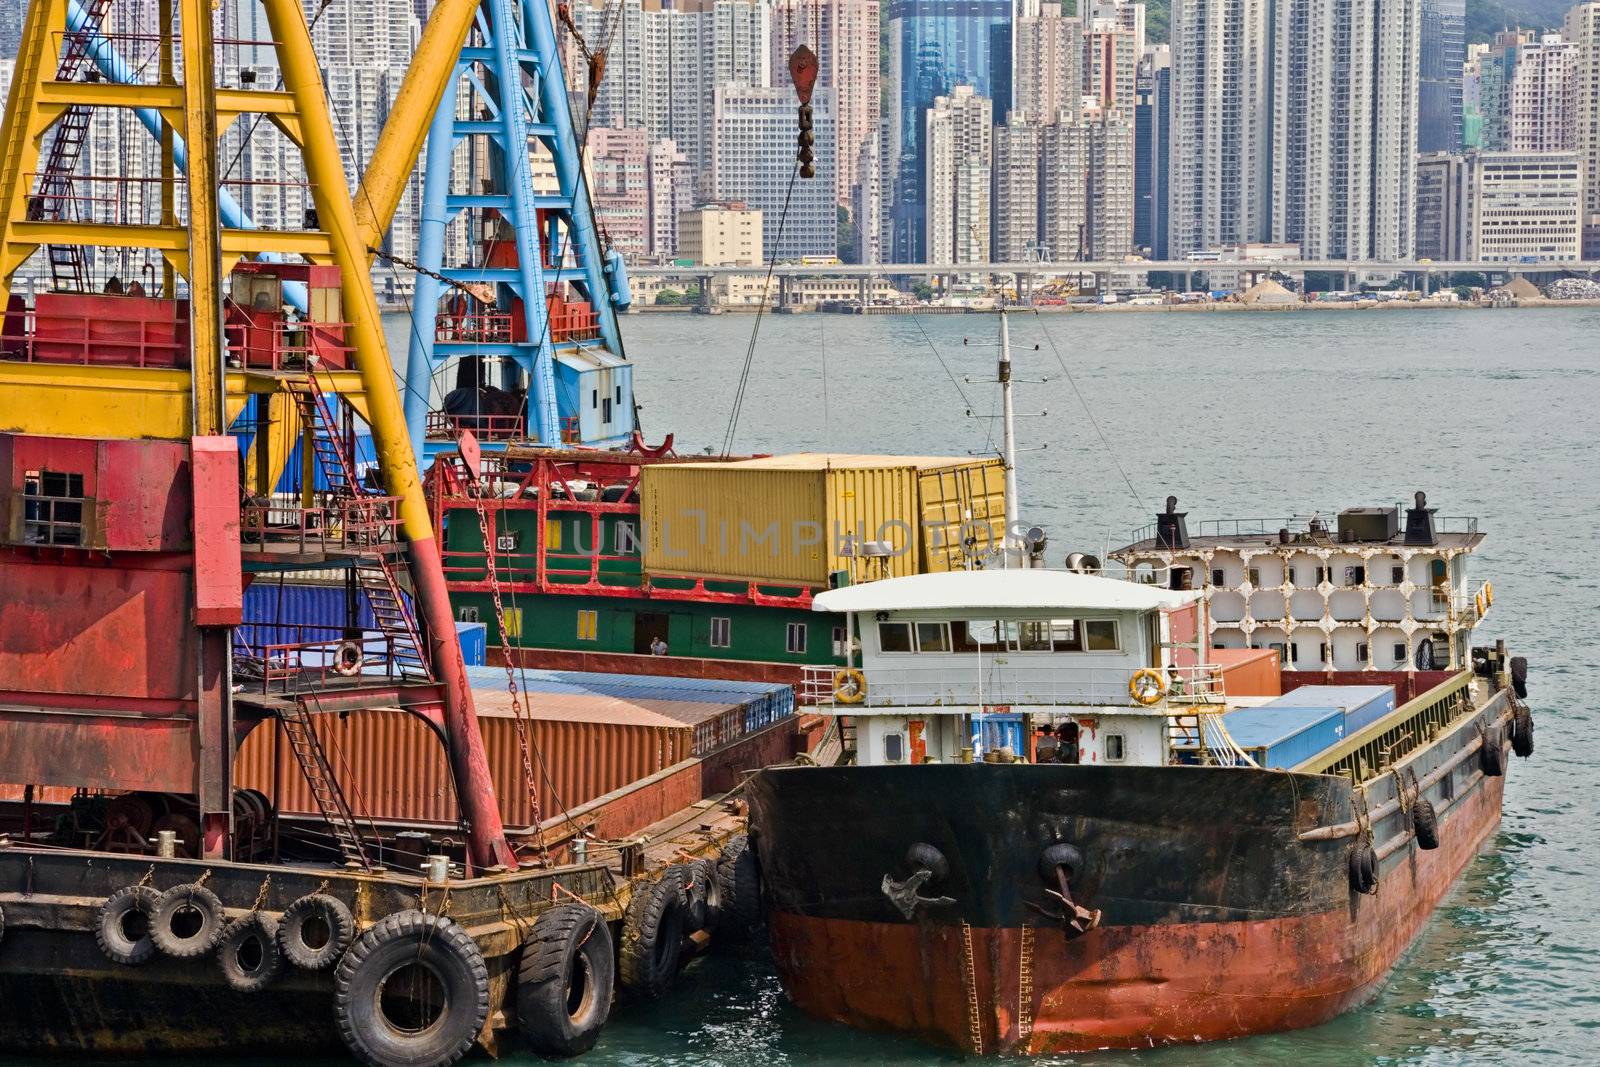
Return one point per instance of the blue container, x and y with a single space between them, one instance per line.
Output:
321 608
1285 737
990 732
1362 705
474 638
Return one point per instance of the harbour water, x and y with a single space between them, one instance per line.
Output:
1493 414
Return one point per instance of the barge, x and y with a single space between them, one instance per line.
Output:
1065 821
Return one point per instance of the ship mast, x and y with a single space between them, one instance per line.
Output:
1009 446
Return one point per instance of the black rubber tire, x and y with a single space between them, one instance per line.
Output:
704 895
1492 757
1059 855
1425 823
1519 676
440 948
253 937
566 981
296 924
1522 733
739 879
1363 868
923 856
652 937
174 902
111 932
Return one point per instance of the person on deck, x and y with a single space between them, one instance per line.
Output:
658 647
1045 746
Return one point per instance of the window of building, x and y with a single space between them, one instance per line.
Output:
1100 635
894 637
839 649
1399 651
588 626
594 398
467 615
1116 747
894 748
1355 576
605 410
619 395
1217 577
1322 651
721 632
1254 575
795 639
1362 652
52 508
933 637
1397 575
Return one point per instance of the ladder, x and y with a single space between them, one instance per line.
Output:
318 772
55 198
394 617
377 575
327 443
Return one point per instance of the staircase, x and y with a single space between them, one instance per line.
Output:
331 802
378 574
55 197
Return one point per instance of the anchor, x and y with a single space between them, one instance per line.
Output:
906 896
1058 863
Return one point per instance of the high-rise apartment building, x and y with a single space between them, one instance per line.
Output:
665 64
960 158
934 46
618 159
844 34
1440 67
1582 28
1328 158
1488 109
379 34
671 190
11 16
1152 127
1542 101
1439 200
1063 203
1017 147
1110 60
1049 65
868 207
753 150
1221 140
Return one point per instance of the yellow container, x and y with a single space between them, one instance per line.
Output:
800 518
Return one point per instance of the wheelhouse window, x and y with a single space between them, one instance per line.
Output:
933 637
1100 635
1116 746
52 508
894 637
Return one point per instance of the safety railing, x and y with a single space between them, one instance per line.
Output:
279 658
348 523
572 321
277 344
473 329
107 329
964 683
1296 525
443 426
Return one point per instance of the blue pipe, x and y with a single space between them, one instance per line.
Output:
113 66
430 249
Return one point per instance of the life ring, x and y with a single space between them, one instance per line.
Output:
187 922
565 981
739 879
652 937
849 686
123 926
348 659
248 953
314 931
1147 687
377 1015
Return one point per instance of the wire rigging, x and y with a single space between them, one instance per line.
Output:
1088 412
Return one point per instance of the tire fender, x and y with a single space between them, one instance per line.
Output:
172 916
123 926
248 953
1492 756
565 981
1425 823
393 945
739 879
705 894
300 929
652 937
1363 868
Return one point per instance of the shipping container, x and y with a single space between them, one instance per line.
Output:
1284 737
805 518
1361 705
474 638
1248 672
590 734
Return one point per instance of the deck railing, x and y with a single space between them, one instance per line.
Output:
991 684
356 522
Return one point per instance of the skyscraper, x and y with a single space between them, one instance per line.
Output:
11 16
844 34
1582 28
1443 54
1016 188
1152 131
619 183
1542 102
753 148
1328 159
959 138
934 45
671 182
1049 63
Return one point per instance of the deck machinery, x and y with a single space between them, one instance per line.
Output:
146 904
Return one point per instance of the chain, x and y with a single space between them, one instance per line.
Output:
200 881
149 878
401 261
261 894
524 749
